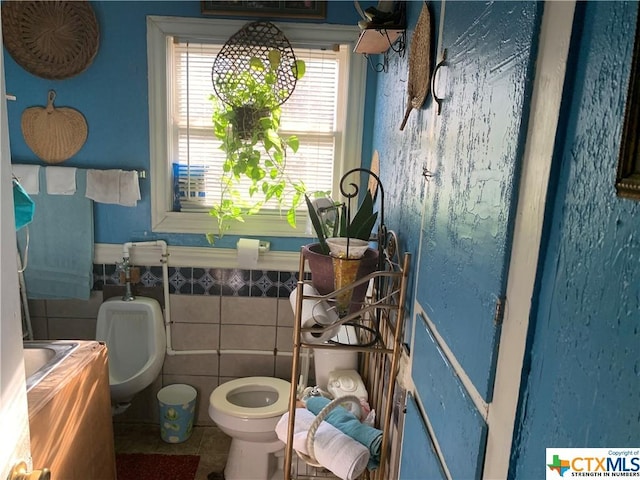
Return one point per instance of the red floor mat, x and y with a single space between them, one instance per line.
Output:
142 466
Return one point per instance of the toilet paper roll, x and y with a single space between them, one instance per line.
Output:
248 252
315 313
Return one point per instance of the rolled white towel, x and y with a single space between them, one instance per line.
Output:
334 450
315 313
61 180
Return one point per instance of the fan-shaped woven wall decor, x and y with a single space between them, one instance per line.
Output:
234 72
419 64
50 39
54 134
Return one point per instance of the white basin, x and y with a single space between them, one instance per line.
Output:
40 357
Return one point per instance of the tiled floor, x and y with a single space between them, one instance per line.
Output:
209 442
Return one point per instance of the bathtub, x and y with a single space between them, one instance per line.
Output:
41 357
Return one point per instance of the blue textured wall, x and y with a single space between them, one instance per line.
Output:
403 153
112 95
582 375
583 384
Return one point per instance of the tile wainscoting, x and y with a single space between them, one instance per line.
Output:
211 309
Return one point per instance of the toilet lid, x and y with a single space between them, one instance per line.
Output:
218 398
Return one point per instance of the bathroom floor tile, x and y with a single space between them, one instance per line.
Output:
208 442
214 441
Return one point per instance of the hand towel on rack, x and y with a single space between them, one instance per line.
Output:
129 188
315 313
60 245
103 185
334 450
350 425
113 186
28 176
60 180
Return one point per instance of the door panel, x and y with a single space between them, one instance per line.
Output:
419 462
458 426
479 136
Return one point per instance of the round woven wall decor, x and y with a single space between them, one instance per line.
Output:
50 39
255 40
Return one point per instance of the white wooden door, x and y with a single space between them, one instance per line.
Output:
551 64
14 417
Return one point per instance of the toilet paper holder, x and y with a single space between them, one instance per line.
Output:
249 251
263 247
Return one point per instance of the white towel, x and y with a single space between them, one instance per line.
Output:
129 188
28 176
61 180
315 313
113 186
103 186
345 457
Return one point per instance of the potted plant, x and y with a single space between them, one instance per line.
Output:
333 268
247 124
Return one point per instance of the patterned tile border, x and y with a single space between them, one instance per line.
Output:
207 281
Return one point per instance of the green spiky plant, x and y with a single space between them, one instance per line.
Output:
247 125
339 225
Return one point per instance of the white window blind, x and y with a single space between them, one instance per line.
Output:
310 113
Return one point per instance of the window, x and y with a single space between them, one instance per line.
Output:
325 112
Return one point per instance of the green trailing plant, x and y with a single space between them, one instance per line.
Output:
333 221
247 126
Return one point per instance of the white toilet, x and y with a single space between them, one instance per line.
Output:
248 409
133 331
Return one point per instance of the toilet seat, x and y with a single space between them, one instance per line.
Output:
218 398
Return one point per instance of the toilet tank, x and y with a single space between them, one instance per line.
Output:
133 332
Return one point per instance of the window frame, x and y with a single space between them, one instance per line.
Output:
160 31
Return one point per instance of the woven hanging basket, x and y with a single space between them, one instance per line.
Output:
232 73
50 39
54 134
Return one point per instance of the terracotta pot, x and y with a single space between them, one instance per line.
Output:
323 276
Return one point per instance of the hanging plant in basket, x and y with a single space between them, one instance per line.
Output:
253 75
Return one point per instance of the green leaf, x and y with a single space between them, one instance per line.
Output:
363 229
274 59
291 217
300 187
296 200
278 157
294 143
273 138
256 64
301 69
362 219
317 226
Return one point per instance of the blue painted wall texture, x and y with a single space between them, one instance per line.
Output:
583 380
112 94
581 384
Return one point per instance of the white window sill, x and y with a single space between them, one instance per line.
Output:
198 257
